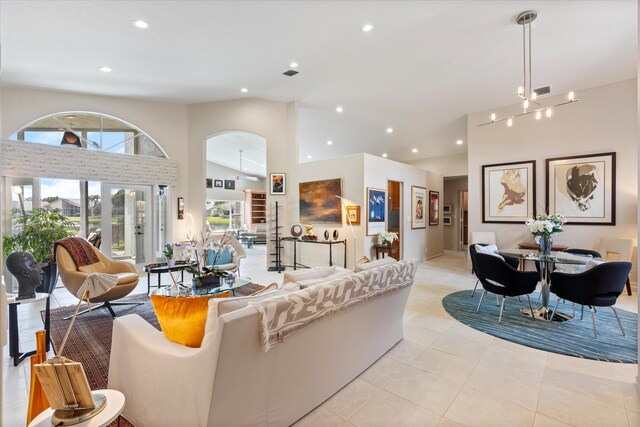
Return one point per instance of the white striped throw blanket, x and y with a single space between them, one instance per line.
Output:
283 315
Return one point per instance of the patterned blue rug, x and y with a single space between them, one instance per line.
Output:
572 338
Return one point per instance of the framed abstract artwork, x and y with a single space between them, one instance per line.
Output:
209 183
376 211
583 188
434 208
353 213
418 207
509 192
218 183
278 184
446 209
229 184
319 202
446 220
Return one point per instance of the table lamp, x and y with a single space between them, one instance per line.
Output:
64 381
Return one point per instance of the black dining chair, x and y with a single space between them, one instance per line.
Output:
512 261
501 278
597 287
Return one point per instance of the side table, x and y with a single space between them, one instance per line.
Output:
14 336
111 411
389 250
163 268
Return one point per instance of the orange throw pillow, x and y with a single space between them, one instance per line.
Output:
183 319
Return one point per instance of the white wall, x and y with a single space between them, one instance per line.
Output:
453 165
420 243
275 121
605 119
216 171
351 170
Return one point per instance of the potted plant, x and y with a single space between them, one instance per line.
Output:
387 239
168 253
543 227
36 232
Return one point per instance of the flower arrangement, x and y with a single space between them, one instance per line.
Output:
545 225
387 238
198 250
168 250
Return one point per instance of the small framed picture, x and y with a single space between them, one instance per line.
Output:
446 209
278 184
418 202
229 184
353 213
218 183
434 208
446 220
209 183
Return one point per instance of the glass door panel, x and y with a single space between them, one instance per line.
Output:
127 234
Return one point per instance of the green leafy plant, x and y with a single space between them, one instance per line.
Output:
36 232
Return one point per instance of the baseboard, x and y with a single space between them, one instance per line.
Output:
434 256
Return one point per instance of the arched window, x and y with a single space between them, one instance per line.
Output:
91 131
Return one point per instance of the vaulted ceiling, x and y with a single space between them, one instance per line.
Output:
422 68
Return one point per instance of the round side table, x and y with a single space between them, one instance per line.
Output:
113 409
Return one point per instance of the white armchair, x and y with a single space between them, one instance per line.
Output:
234 265
155 373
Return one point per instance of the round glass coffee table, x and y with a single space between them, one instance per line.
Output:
225 285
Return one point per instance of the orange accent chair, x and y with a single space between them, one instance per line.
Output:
73 277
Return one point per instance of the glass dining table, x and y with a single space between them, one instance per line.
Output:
547 263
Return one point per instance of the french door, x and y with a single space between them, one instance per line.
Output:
127 222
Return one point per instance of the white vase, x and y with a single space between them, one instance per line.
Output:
171 263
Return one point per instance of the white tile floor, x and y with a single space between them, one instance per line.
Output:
443 373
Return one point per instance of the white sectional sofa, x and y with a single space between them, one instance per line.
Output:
232 381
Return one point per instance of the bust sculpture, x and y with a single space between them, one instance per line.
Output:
26 270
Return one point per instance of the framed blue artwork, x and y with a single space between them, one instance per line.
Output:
376 211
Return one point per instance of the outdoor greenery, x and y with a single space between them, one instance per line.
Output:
37 231
217 220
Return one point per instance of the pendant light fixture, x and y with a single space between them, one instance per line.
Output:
530 104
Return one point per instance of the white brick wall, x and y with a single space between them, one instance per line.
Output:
49 161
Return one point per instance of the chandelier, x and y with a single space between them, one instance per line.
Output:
530 104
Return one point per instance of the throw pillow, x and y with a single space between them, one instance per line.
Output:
489 250
218 307
183 319
571 268
374 264
225 257
312 273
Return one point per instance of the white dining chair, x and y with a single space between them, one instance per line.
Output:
617 249
486 237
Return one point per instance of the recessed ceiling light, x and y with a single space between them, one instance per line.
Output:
367 27
339 109
389 130
293 65
384 155
309 157
246 169
415 150
459 142
139 23
105 69
244 90
329 142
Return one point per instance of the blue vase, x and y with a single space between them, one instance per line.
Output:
545 243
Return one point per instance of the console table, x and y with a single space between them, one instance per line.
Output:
296 241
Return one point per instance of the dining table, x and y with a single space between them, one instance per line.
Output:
547 262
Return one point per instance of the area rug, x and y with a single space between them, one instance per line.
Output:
90 338
572 338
